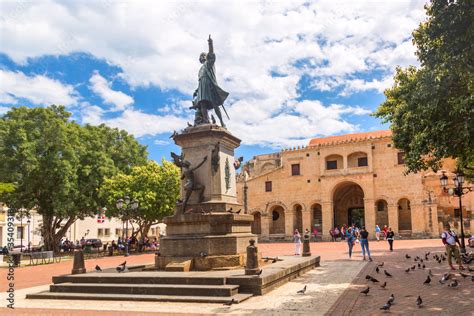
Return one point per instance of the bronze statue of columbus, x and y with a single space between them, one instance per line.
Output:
208 95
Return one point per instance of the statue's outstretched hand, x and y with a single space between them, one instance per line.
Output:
209 39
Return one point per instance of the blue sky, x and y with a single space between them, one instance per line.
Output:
294 69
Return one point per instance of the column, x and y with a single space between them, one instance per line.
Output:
328 219
393 217
369 214
434 220
265 226
289 223
307 220
418 218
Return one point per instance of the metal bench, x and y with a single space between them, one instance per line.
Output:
42 257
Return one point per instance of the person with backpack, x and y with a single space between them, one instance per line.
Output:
350 237
390 236
364 242
450 239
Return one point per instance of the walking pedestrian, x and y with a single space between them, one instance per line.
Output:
297 240
350 240
377 232
385 231
450 239
390 236
364 242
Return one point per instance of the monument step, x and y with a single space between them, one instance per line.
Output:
139 297
136 279
147 289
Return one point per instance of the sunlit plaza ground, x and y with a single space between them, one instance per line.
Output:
333 289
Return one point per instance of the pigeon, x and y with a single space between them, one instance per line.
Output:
407 270
265 259
413 267
174 134
377 269
366 291
98 269
387 274
203 254
419 265
421 260
120 268
374 280
380 264
454 284
123 263
445 278
383 285
427 254
428 280
386 307
259 272
302 291
229 210
233 301
368 277
407 256
430 273
391 299
464 275
275 260
419 301
238 212
423 266
189 125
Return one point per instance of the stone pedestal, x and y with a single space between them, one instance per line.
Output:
251 265
213 233
78 266
210 240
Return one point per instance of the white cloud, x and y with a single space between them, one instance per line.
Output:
39 90
335 44
102 88
4 109
133 121
160 142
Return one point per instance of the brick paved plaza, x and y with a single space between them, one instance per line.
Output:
333 288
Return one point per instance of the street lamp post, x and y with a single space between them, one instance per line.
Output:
28 222
459 190
126 208
21 213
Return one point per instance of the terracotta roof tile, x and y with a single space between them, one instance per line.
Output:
350 137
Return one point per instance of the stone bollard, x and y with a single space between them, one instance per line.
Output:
251 266
78 266
306 240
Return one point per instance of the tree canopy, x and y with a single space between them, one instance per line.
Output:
155 186
431 107
57 166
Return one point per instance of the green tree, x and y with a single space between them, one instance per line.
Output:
431 108
155 186
58 166
6 187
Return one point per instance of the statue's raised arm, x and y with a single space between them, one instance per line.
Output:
211 46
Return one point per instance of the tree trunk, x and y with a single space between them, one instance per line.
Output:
51 234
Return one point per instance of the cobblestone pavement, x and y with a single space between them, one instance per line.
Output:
329 287
438 299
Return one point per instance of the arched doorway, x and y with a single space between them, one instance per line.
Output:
381 211
298 223
257 223
317 219
404 215
277 225
348 201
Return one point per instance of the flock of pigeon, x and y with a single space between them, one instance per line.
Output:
421 263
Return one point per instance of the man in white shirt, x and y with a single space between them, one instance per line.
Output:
449 240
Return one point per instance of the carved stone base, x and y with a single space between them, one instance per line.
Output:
211 240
